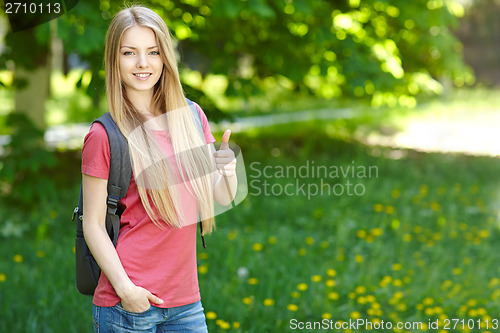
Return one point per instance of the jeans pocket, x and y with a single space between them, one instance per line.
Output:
120 308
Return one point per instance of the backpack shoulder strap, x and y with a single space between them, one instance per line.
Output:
199 125
196 116
120 172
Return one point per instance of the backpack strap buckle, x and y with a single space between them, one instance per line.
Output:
112 203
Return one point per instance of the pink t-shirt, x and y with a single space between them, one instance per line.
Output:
162 261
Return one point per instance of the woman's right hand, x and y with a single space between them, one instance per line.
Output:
136 299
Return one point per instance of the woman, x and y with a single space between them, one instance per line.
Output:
149 282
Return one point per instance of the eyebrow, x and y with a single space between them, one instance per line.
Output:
134 48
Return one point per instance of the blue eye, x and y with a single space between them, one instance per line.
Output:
154 53
127 52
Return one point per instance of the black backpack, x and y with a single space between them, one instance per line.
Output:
120 174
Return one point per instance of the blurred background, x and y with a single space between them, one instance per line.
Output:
406 88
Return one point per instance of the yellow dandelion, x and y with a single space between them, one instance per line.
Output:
302 252
326 315
333 295
268 302
203 255
481 311
472 313
202 269
429 311
223 324
253 281
316 278
292 307
257 247
3 277
407 238
471 302
361 233
359 258
211 315
40 254
362 300
457 271
295 294
351 295
74 250
438 309
390 210
309 241
435 206
423 189
247 300
397 267
272 240
399 294
330 283
369 239
419 307
428 301
18 258
324 244
474 189
378 208
302 286
331 272
231 235
397 283
377 232
236 325
484 233
396 194
385 281
360 289
401 307
355 315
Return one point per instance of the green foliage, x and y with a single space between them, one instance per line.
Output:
386 52
25 165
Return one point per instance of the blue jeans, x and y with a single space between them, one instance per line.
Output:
186 318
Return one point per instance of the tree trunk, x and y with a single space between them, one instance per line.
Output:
31 99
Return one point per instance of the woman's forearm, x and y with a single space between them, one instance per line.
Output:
106 256
225 188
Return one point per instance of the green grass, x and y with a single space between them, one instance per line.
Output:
419 245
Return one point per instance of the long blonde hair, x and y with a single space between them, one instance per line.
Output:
152 173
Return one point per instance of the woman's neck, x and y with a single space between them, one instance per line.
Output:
141 100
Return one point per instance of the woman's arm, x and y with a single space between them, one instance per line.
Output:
225 181
134 299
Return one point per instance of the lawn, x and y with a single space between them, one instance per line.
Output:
414 241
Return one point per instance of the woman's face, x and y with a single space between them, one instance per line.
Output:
140 62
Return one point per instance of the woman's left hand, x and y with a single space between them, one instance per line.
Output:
225 161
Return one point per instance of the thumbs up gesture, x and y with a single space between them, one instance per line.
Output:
225 161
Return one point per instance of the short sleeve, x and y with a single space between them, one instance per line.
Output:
209 138
95 152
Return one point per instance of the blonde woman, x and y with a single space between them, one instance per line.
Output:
149 281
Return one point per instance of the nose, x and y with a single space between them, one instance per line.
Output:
142 61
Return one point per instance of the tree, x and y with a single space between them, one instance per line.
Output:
388 51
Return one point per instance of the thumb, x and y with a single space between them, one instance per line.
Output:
154 299
225 140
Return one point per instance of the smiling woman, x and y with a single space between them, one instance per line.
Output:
150 280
